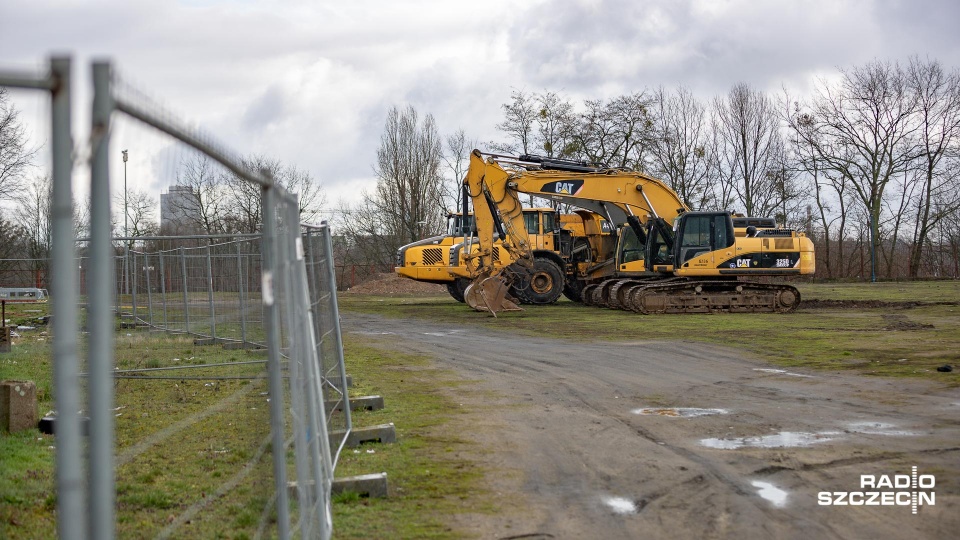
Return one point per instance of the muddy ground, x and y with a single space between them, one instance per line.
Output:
684 440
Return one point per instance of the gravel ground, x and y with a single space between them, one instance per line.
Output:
684 440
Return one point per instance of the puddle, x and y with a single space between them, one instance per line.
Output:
879 428
620 505
680 412
771 493
782 439
783 372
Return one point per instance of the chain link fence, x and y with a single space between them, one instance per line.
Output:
207 369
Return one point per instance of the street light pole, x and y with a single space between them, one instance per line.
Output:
126 241
125 214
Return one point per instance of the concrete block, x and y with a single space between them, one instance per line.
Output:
361 403
18 405
6 338
384 433
366 485
243 345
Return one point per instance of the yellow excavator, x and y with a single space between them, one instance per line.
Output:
440 259
667 259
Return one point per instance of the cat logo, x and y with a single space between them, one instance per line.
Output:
743 263
563 187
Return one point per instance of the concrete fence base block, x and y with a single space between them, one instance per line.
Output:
361 403
240 345
207 341
18 406
366 485
131 324
384 433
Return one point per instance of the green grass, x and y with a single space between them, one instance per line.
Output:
428 476
898 338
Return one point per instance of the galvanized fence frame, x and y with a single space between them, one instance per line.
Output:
298 306
70 481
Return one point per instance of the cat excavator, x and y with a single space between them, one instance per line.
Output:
667 259
439 259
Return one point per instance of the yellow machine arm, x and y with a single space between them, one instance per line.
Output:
668 259
619 196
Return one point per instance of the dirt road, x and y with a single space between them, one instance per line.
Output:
686 440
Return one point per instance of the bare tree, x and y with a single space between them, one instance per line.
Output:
407 203
199 205
863 130
456 157
142 213
680 149
748 148
518 123
311 198
11 241
541 123
554 121
32 213
617 132
16 156
938 113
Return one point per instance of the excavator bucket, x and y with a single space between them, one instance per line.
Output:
490 294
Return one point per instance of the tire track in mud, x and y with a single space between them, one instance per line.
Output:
564 417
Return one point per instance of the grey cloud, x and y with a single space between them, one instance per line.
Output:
265 111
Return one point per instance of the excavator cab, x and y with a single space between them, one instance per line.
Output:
700 234
691 242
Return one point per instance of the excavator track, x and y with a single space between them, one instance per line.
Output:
713 296
617 293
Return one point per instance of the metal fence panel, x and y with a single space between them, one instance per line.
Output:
180 334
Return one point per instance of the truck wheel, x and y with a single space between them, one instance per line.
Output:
543 285
457 287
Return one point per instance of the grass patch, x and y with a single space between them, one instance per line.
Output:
428 476
916 330
205 434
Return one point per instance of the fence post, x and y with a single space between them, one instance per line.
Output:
71 507
146 271
163 291
240 286
133 282
100 360
274 373
335 316
186 307
213 312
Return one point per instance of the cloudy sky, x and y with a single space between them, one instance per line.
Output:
309 81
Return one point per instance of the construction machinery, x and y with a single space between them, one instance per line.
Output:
440 259
667 259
